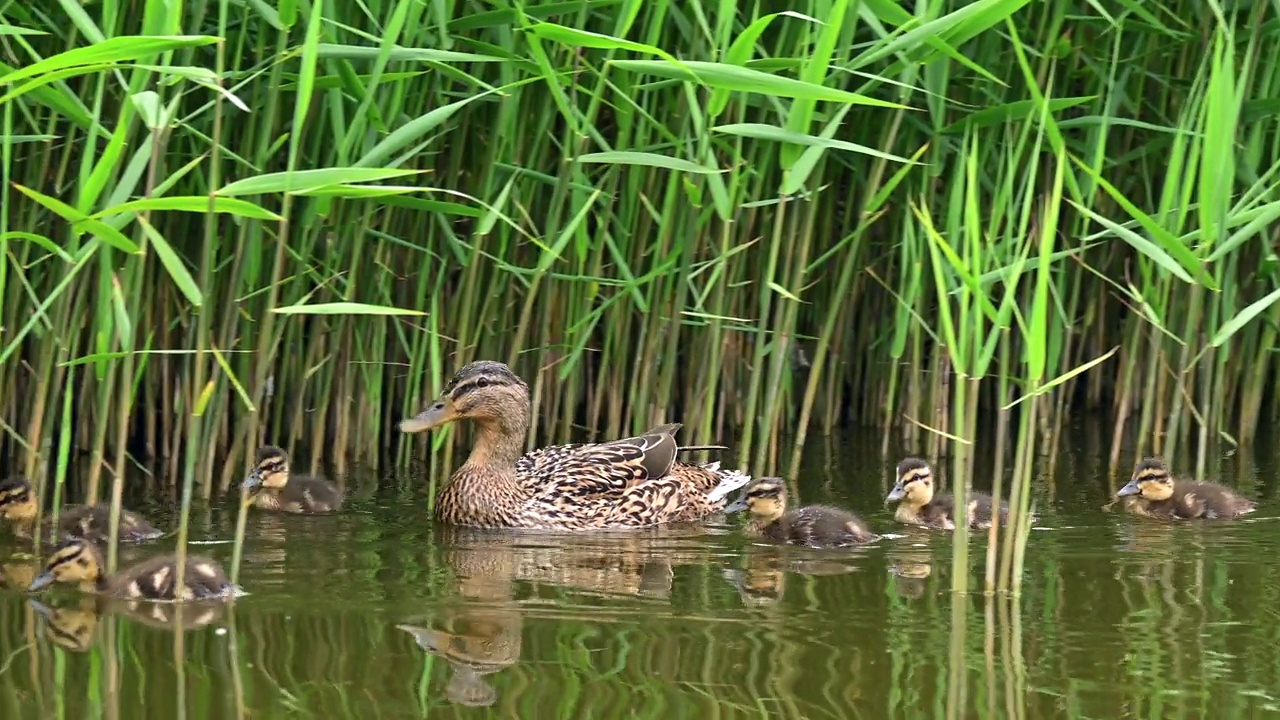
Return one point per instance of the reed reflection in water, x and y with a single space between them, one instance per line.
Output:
377 612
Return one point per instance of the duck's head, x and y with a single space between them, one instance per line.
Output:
74 561
914 485
765 499
270 471
484 391
17 499
1151 480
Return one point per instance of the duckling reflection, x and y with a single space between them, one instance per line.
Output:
911 572
764 579
75 627
18 574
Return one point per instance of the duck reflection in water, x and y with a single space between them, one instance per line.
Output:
479 633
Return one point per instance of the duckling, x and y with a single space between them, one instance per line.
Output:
816 526
18 505
918 504
1152 492
272 487
80 561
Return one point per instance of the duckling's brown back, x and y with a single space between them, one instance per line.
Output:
157 579
820 526
93 523
1195 499
311 495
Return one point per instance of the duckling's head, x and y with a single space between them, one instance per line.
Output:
270 471
484 391
17 499
1151 480
915 484
766 499
74 561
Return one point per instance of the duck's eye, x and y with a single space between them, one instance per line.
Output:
482 383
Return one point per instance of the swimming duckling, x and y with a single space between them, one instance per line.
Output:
817 526
18 505
272 487
1152 492
917 503
80 561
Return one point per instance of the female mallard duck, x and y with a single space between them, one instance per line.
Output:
1152 492
629 483
18 505
80 561
918 504
817 526
270 486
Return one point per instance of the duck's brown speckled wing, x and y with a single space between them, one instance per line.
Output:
592 468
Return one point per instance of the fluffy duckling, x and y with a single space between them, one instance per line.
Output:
19 504
1152 492
79 561
817 526
272 487
917 503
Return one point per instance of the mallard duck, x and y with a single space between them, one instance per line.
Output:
620 484
18 505
271 486
817 526
1152 492
80 561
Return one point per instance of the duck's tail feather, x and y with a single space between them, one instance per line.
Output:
730 480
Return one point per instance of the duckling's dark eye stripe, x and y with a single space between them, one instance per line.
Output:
916 476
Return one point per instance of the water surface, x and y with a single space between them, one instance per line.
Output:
378 613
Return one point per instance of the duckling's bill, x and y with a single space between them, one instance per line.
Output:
896 494
41 581
441 412
1130 489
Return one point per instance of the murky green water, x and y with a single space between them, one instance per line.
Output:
376 613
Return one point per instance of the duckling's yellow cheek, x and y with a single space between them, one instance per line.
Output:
918 493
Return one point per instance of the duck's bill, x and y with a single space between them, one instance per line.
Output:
1130 489
42 581
895 495
440 412
426 638
252 484
736 506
